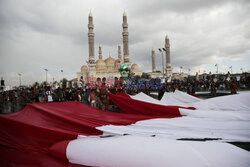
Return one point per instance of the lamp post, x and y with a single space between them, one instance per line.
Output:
180 69
62 72
216 65
162 61
20 75
189 71
166 63
241 70
231 69
46 70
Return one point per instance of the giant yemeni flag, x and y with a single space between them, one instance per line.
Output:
68 133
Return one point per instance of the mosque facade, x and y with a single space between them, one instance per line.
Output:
109 67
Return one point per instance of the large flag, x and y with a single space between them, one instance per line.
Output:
66 130
139 151
134 106
33 130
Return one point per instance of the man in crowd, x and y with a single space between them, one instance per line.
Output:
233 87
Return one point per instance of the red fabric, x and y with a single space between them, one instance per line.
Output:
40 125
193 94
123 94
132 106
58 150
26 158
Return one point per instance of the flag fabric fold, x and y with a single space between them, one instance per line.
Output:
40 125
133 106
43 128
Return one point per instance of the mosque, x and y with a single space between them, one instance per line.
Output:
108 68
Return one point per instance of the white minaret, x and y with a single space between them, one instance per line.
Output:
168 64
91 35
100 52
125 40
119 51
153 61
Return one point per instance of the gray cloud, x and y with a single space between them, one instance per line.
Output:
53 34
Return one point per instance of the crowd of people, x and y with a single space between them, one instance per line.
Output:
15 100
212 85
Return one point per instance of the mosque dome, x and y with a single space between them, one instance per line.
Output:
110 61
84 68
100 62
100 65
134 67
118 63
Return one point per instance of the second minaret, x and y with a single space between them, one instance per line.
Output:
153 61
168 64
125 40
91 35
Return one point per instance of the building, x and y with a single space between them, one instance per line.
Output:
179 76
154 73
108 68
168 69
168 64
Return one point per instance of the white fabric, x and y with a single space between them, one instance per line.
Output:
229 103
134 151
236 102
178 98
187 127
169 99
185 98
226 117
143 97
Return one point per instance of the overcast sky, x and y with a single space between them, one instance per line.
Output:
52 34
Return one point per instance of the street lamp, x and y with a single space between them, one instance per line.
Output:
216 65
231 69
162 60
241 70
19 79
61 74
46 70
189 71
165 52
180 69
